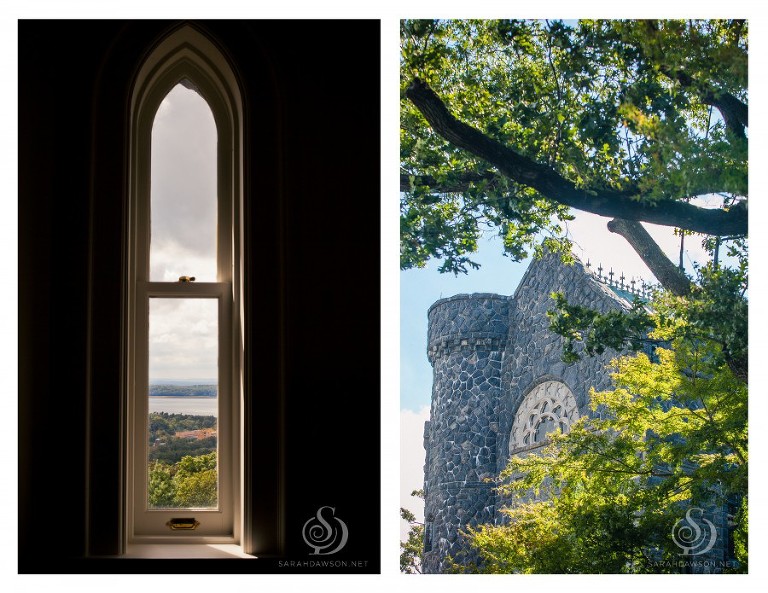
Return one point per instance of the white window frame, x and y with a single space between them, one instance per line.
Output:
186 55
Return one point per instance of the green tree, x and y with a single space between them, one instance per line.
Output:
715 309
190 483
510 124
162 490
196 481
412 549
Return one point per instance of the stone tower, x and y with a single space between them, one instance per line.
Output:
499 385
467 338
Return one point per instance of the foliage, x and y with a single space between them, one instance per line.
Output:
183 390
619 105
615 329
190 483
162 491
174 449
412 549
167 447
164 424
740 536
196 480
182 471
672 435
716 311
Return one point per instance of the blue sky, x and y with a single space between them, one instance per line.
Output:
419 288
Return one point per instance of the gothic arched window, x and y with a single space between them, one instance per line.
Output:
183 310
548 406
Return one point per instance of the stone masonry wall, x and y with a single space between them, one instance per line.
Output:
467 334
534 354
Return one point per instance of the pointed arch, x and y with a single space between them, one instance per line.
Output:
189 58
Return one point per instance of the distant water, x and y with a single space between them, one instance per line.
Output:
161 381
195 406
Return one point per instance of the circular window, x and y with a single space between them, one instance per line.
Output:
547 407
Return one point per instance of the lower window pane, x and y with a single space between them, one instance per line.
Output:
182 467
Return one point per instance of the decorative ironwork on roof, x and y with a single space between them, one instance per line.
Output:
628 289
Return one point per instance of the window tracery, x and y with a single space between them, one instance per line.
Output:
549 406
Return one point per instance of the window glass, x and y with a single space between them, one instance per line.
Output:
183 188
183 403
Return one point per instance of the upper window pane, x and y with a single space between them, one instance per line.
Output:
183 189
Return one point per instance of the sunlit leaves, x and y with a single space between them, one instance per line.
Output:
580 325
607 104
190 483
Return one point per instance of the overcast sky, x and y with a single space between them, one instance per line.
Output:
183 339
183 333
183 189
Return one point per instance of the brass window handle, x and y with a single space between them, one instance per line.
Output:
186 278
187 523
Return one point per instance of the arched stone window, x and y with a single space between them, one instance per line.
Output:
548 406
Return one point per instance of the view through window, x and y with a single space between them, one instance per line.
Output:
183 373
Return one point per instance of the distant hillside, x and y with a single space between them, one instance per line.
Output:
183 390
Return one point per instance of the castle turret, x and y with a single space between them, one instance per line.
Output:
467 337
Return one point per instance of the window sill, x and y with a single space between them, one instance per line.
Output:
174 551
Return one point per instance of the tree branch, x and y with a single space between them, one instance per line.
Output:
665 271
734 111
548 182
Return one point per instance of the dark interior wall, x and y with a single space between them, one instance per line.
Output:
312 216
56 85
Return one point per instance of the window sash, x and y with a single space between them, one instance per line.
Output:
213 522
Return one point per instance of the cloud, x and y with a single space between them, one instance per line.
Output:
412 457
594 242
184 187
169 261
183 338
